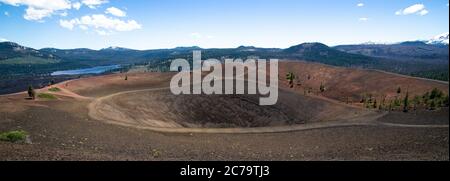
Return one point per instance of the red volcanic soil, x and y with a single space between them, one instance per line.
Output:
342 83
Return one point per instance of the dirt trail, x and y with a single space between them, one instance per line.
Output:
66 92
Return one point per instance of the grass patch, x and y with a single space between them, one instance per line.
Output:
54 89
46 96
13 136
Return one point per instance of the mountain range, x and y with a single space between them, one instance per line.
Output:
427 59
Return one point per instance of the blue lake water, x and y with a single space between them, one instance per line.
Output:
93 70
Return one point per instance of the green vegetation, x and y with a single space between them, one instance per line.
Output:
433 100
54 89
13 136
46 96
27 60
290 77
433 74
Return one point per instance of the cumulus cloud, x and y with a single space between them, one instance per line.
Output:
102 24
64 14
37 10
418 9
103 32
423 12
94 3
116 12
76 5
360 4
34 14
69 24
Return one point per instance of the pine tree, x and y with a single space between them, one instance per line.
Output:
406 102
31 92
432 105
290 77
322 87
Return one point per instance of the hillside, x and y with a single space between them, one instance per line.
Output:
319 52
9 50
350 84
415 58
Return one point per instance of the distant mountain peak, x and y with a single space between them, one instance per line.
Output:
413 43
188 48
245 47
115 48
310 46
376 43
439 39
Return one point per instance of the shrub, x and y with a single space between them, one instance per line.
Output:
54 89
13 136
46 96
31 92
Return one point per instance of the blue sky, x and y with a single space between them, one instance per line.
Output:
151 24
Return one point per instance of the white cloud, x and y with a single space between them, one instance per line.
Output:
33 14
94 3
116 12
6 13
103 32
418 9
423 12
360 4
40 4
40 9
363 19
68 24
64 14
102 24
76 5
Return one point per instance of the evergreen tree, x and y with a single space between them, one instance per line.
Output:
290 77
406 102
399 90
322 87
31 92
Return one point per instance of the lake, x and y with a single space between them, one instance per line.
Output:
93 70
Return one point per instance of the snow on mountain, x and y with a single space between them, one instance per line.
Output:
439 39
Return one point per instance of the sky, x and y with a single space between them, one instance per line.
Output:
154 24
